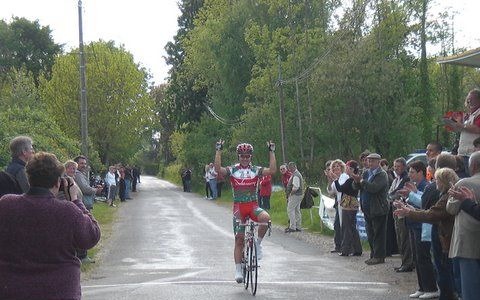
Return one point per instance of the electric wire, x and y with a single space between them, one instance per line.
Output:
222 120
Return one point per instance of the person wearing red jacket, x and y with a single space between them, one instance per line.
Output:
265 192
286 174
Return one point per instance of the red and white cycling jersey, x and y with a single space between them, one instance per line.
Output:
244 182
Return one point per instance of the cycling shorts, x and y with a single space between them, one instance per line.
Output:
240 212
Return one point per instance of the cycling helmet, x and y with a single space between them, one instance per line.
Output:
244 148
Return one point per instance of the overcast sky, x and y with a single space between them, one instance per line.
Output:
142 26
145 26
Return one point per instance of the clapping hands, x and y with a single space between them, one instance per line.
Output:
461 193
402 209
356 177
409 187
330 175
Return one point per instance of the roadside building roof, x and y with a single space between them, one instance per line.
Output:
470 58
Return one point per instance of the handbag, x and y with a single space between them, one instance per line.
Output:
349 202
307 200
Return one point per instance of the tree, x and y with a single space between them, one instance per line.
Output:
119 106
218 57
350 81
185 100
27 44
23 114
164 123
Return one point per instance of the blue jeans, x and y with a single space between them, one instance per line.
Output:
128 187
456 276
469 270
443 266
423 261
213 187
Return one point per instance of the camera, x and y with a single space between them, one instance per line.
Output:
61 188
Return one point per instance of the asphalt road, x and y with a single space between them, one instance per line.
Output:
168 244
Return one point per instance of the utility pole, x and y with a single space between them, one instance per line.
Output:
83 85
300 127
282 111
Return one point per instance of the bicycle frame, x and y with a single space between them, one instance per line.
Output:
249 261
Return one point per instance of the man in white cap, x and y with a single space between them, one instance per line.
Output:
375 207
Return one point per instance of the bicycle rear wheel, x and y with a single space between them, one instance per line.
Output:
253 262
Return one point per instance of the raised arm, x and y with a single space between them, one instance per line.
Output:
218 158
272 167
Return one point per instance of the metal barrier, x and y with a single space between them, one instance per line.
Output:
329 220
322 209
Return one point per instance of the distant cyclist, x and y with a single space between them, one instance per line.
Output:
243 179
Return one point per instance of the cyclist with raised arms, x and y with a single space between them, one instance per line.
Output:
243 179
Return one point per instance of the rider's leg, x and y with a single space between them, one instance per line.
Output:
237 252
263 217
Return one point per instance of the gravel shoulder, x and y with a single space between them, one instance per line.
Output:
382 272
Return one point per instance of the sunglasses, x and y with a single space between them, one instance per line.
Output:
245 156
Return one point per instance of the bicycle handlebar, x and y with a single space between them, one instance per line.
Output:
249 222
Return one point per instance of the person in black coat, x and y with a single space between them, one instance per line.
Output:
8 184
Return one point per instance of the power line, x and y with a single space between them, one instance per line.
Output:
222 120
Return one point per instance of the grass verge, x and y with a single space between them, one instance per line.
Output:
105 216
278 212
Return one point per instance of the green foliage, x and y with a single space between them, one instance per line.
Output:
27 44
37 124
183 101
119 106
23 114
350 82
17 89
195 149
217 55
172 174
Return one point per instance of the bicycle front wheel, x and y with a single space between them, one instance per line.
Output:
245 265
253 262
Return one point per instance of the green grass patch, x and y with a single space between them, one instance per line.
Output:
105 216
310 218
278 211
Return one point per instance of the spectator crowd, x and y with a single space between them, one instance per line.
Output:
46 224
426 212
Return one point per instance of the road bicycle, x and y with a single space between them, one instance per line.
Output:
249 260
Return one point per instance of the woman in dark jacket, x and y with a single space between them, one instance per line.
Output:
349 203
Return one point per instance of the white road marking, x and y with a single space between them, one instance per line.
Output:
193 282
207 221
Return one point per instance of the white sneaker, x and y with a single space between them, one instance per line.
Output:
430 295
238 276
416 294
259 251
